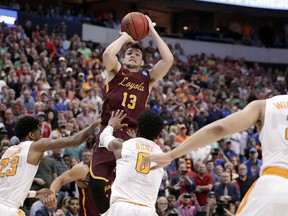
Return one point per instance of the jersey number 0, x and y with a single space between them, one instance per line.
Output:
145 169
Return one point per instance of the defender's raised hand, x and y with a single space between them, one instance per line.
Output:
116 119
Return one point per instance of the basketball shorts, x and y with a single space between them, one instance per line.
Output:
129 209
267 196
9 211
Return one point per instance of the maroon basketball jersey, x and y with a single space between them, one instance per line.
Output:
87 207
127 91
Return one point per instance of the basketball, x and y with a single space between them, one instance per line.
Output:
136 25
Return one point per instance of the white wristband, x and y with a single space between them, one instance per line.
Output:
31 194
106 137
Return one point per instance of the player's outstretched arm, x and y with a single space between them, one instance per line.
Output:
162 67
239 121
77 172
39 147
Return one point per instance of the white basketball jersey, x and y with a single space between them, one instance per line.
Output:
133 184
16 175
274 134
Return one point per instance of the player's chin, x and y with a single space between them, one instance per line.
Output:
132 65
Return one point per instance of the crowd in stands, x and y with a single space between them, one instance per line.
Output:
261 33
61 82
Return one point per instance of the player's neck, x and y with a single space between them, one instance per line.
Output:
133 69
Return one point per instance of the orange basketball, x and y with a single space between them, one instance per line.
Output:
136 25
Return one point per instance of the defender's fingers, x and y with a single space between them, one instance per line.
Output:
123 116
112 114
145 162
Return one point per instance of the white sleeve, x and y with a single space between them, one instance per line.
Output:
106 137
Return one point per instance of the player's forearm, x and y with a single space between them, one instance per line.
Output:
164 50
56 186
74 140
115 47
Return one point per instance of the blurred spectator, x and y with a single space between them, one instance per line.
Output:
9 123
172 203
211 170
253 164
244 181
226 191
185 207
181 137
229 153
162 206
45 127
204 182
73 208
86 117
182 182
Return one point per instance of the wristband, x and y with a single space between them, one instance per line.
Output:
106 137
31 194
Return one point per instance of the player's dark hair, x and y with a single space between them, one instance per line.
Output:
149 125
135 46
24 126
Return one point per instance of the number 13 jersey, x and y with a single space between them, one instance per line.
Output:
127 91
133 184
16 175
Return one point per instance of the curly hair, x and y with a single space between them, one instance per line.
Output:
24 126
149 125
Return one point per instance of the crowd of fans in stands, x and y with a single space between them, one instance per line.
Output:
61 82
261 33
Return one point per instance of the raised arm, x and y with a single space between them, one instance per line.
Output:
39 147
110 59
162 67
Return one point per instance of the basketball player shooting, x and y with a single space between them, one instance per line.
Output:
128 88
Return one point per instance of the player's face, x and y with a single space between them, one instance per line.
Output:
133 58
37 134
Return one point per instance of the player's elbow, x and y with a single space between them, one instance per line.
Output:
169 59
107 53
219 129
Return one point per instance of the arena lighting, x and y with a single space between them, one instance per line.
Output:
8 16
266 4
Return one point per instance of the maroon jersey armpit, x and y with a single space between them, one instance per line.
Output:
127 91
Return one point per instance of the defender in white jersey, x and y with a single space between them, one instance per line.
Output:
135 189
19 164
269 194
